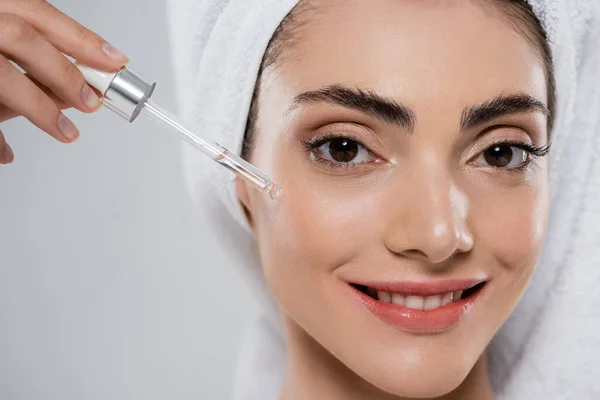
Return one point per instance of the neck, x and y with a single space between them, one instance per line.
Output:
312 372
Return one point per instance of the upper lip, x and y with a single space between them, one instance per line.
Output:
430 288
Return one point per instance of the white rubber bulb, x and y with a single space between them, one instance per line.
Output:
99 80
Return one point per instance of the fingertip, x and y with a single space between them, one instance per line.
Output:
90 98
114 54
7 154
100 56
68 129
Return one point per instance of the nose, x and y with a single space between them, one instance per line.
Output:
430 218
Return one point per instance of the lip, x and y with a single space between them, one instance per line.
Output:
423 288
422 321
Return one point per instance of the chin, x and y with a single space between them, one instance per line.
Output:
428 379
421 369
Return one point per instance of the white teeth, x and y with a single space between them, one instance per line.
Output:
432 302
386 297
415 302
399 299
446 299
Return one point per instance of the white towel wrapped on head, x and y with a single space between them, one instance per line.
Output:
550 346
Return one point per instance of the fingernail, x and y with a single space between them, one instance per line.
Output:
90 98
7 154
67 128
113 53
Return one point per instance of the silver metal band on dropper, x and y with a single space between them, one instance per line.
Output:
128 93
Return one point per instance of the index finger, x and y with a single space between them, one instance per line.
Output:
68 35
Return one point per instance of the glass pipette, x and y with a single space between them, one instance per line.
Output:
220 154
128 94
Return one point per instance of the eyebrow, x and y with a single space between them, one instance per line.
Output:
391 111
365 101
499 106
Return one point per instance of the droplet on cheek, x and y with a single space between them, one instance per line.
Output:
274 191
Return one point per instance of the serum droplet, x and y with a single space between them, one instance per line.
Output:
274 191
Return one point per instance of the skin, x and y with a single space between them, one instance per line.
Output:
425 207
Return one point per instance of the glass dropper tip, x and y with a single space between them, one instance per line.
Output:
274 191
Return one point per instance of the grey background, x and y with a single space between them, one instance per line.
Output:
110 288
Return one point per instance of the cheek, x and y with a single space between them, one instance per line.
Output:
510 228
318 223
313 229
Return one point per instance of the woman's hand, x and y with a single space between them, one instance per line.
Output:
34 35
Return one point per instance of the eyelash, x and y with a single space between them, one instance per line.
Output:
314 144
534 153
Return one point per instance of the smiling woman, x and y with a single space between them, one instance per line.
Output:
412 136
411 140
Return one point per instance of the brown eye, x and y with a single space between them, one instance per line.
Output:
504 156
499 156
343 150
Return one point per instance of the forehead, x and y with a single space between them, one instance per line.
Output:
418 51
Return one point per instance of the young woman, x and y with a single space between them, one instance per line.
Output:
411 141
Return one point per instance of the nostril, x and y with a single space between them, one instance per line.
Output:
415 253
435 256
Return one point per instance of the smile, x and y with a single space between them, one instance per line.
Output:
417 302
421 307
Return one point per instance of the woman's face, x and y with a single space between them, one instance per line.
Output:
401 133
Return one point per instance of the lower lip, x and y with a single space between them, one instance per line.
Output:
420 321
